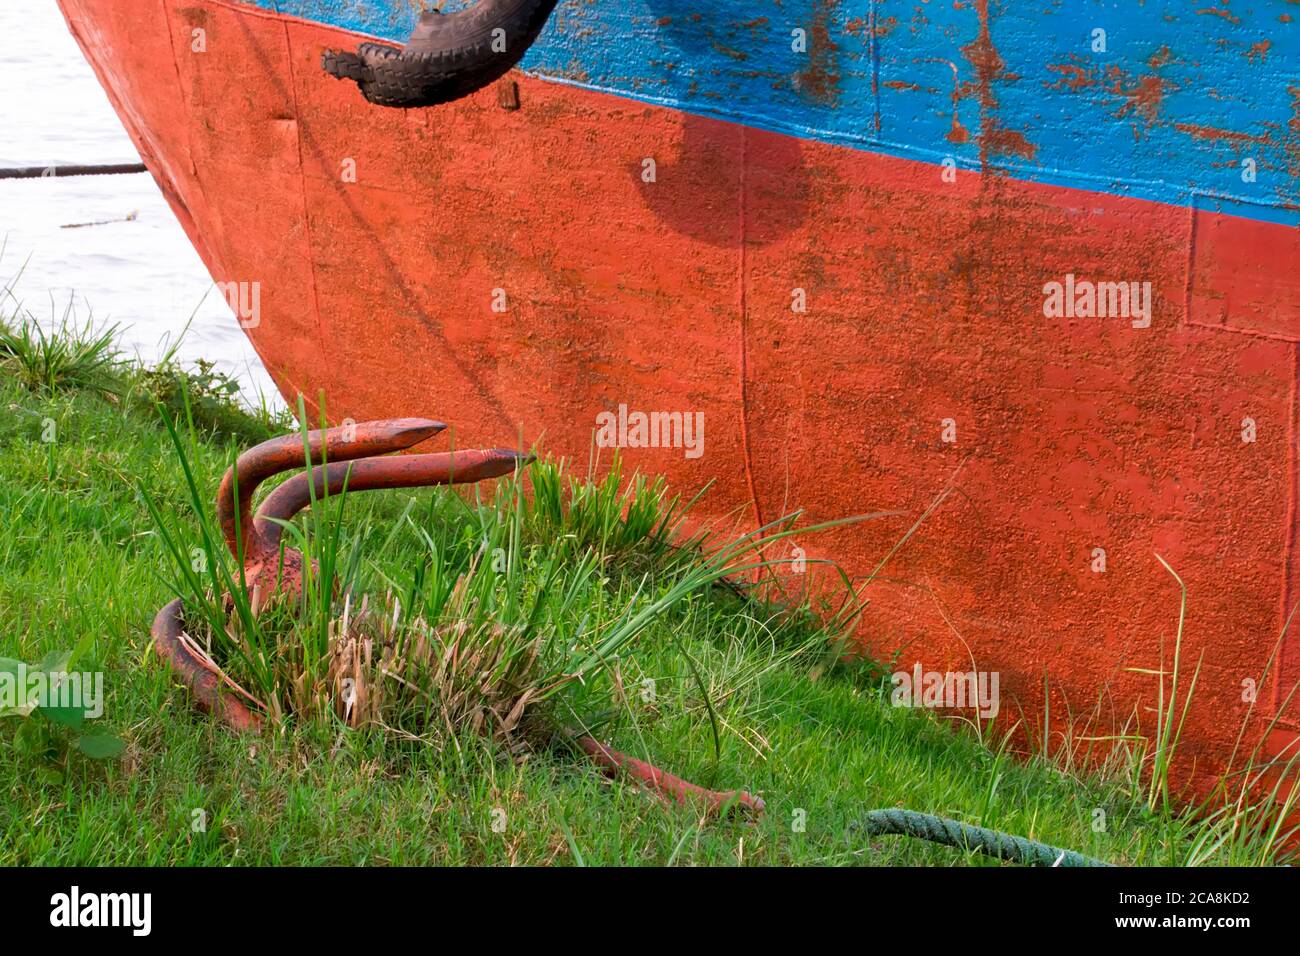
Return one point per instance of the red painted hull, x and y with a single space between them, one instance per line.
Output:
925 303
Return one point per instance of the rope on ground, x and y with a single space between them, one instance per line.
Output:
1004 846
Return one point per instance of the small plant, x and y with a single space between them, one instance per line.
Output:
622 522
52 712
1169 717
211 398
70 356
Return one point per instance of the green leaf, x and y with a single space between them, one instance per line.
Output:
54 661
19 704
50 775
53 697
101 746
70 717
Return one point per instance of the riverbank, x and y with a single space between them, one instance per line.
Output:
107 244
721 689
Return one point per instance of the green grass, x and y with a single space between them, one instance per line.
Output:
80 555
70 354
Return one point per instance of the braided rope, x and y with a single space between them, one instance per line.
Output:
1004 846
47 172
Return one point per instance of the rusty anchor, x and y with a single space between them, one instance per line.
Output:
355 458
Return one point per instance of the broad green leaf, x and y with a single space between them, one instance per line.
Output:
13 699
101 746
58 703
54 661
70 717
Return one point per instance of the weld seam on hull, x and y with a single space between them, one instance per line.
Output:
302 177
744 340
1289 536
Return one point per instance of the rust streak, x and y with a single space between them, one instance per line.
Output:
994 139
1292 189
1143 97
1218 12
820 81
1214 134
1073 76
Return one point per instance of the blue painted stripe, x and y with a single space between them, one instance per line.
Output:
1179 101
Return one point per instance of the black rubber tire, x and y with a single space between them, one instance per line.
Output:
345 66
449 56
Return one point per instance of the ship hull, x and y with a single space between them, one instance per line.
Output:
858 332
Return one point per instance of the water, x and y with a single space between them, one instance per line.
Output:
138 269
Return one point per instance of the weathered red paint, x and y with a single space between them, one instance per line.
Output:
925 304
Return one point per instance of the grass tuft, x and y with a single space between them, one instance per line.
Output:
71 356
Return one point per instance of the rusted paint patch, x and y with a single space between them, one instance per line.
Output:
730 52
1258 52
997 140
820 81
1291 191
871 26
1214 134
1219 12
994 139
1073 76
1142 96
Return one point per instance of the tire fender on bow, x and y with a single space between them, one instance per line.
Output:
449 55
